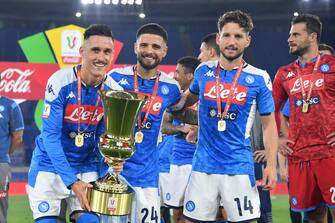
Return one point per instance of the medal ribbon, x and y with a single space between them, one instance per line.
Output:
303 91
79 100
151 98
231 93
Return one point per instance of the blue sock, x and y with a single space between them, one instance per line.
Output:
88 218
162 220
221 221
47 220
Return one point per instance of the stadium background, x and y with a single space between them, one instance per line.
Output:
187 22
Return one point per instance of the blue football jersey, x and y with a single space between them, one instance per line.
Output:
182 152
164 150
229 152
55 147
11 120
142 169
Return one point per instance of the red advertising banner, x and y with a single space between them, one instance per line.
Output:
22 80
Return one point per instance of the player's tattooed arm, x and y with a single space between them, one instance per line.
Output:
170 129
187 115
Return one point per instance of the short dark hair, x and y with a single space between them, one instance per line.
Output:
323 46
98 30
237 16
153 28
189 63
313 23
210 40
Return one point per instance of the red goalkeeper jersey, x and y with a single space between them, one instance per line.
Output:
309 129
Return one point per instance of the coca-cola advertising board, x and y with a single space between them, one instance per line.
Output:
46 52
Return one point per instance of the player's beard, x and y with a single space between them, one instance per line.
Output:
146 66
231 58
301 50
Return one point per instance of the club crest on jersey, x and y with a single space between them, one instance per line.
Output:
249 79
46 110
165 90
324 68
86 113
190 206
295 84
240 93
43 207
294 201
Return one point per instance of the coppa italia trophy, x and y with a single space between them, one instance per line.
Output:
109 195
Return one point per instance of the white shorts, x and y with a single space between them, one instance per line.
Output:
179 177
163 185
145 205
45 198
205 191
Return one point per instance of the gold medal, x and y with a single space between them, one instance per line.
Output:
79 140
139 137
160 138
221 125
304 107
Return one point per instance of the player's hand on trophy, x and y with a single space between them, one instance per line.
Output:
80 189
331 139
269 178
284 149
192 135
259 156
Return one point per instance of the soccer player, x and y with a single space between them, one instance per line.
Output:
182 152
141 170
309 83
229 92
209 49
11 133
325 49
66 154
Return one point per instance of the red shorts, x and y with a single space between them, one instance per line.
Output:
312 184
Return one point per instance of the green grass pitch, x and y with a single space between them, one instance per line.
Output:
19 211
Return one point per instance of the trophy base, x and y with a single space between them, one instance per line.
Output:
109 203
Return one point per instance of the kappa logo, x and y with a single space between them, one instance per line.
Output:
295 83
123 81
50 89
210 74
290 75
71 95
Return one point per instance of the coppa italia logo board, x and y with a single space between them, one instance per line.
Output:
239 97
46 52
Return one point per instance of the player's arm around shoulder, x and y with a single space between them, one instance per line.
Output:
270 137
